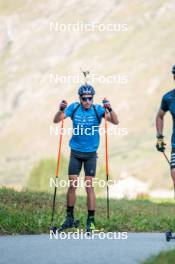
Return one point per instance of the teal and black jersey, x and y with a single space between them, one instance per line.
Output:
168 104
85 137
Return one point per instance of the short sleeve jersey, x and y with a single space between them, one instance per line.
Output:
85 136
168 104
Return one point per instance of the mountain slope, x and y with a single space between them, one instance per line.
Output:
30 52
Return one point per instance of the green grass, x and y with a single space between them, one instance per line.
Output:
29 212
162 258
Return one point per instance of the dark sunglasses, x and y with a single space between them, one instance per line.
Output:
85 99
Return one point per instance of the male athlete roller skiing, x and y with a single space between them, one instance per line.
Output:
84 147
167 104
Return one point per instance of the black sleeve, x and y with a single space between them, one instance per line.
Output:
164 104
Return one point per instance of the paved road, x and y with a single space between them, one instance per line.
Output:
40 249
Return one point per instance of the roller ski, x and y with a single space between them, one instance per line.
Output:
169 235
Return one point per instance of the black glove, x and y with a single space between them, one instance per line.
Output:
62 105
160 143
107 105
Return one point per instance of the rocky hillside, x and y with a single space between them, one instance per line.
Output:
32 52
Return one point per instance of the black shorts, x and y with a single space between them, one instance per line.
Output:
173 158
77 159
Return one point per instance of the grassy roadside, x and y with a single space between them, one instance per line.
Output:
163 258
29 212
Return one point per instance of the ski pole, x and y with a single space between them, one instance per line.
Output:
57 170
170 165
107 164
166 158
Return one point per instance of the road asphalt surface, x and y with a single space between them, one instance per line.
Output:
40 249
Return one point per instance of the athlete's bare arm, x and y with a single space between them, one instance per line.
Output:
59 116
113 118
160 122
